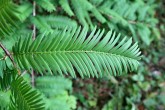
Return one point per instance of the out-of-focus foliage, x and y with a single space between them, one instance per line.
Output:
141 19
49 23
8 17
135 17
56 92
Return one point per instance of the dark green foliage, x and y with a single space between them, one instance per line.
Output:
8 17
24 97
7 78
4 99
2 65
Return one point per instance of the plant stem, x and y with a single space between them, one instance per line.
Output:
34 36
7 54
34 14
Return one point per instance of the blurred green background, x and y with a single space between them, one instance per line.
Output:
144 20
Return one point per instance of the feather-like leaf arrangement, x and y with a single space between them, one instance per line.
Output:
8 17
46 4
89 54
6 80
136 17
50 23
24 97
57 92
65 5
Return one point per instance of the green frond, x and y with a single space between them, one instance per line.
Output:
25 10
8 17
98 15
4 99
8 77
49 23
52 86
5 82
2 65
4 108
137 17
24 97
96 2
89 54
65 5
82 10
130 15
42 24
46 4
57 92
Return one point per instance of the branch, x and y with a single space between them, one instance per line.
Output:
34 36
8 54
34 14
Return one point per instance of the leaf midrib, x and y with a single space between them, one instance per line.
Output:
75 51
